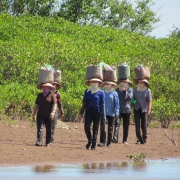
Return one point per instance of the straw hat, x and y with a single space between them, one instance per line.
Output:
58 86
136 81
93 79
39 86
109 82
125 80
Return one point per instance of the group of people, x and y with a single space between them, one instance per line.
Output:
46 110
101 104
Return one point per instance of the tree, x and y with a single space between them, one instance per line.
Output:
33 7
111 13
175 33
3 6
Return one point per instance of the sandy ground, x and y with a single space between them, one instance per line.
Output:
18 145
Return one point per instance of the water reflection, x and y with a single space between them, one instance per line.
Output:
111 165
44 168
150 170
139 166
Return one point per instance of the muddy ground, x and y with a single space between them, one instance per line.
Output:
18 145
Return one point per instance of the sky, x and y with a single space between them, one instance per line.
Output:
169 12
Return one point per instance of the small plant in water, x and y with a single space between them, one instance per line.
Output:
138 157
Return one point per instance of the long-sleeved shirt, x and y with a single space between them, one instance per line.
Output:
59 102
45 104
142 98
112 103
125 98
96 100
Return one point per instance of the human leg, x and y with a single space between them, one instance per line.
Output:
116 130
48 122
40 125
54 122
126 122
102 133
96 121
87 127
110 129
144 126
137 125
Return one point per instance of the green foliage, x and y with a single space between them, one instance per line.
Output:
26 43
32 7
138 157
111 13
175 33
178 125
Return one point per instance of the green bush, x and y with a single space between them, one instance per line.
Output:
26 43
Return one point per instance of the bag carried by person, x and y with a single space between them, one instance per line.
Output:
123 71
46 76
109 75
142 72
57 76
94 71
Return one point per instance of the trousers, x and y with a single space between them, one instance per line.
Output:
92 116
140 122
125 117
41 122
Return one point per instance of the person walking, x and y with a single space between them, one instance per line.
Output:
94 107
112 112
125 94
58 109
142 108
43 112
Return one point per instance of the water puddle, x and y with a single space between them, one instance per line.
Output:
148 170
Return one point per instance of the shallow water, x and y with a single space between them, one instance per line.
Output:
148 170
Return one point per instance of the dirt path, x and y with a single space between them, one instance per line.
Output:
17 145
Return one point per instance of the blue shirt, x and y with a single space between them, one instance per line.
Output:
96 100
125 98
112 103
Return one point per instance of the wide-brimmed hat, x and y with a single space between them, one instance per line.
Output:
58 86
136 81
109 82
93 79
39 86
125 80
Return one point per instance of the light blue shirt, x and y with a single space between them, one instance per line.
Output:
112 103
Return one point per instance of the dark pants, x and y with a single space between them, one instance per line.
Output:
92 116
126 121
40 124
54 122
140 121
103 131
